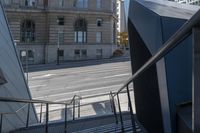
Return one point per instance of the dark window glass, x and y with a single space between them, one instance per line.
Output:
80 28
61 20
99 22
84 53
28 31
61 53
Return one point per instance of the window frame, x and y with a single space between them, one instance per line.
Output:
61 20
27 33
98 4
99 37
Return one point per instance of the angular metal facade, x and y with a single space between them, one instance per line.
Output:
168 83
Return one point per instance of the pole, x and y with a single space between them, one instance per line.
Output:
27 66
28 115
47 118
114 108
1 124
79 108
74 109
58 50
131 109
41 113
120 114
65 118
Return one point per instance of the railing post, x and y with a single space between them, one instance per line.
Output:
131 109
79 107
28 115
114 108
74 109
120 113
1 124
196 81
111 104
65 118
41 113
47 118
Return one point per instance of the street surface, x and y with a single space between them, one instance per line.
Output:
88 78
62 84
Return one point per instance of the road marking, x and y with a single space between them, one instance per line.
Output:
118 75
35 86
43 76
77 92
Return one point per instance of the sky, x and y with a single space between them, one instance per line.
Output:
126 3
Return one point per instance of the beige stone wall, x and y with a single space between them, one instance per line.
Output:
68 28
15 20
46 32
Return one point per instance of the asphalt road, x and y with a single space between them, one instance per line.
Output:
84 80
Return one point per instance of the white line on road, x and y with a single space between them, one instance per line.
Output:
118 75
43 76
75 92
35 86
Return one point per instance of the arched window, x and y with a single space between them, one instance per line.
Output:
28 31
80 31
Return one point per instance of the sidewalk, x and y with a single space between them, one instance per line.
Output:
70 64
90 107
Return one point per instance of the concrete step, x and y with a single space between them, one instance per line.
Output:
103 124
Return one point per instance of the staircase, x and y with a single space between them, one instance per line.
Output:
100 124
112 128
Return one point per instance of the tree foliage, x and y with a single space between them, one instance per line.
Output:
123 38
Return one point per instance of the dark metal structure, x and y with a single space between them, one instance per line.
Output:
162 64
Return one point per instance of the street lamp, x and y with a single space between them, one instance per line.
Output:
23 54
58 50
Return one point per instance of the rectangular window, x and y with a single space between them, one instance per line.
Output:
81 3
61 20
98 4
77 53
61 53
80 36
84 53
98 37
30 3
99 22
61 3
99 53
27 55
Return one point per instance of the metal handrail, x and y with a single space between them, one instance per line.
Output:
11 113
32 101
172 42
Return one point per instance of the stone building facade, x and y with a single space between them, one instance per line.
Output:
46 31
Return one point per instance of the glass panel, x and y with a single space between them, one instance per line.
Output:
98 37
80 36
98 4
85 4
85 37
75 36
84 53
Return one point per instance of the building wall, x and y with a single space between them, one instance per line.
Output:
47 28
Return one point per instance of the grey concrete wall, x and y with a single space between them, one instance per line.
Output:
16 86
